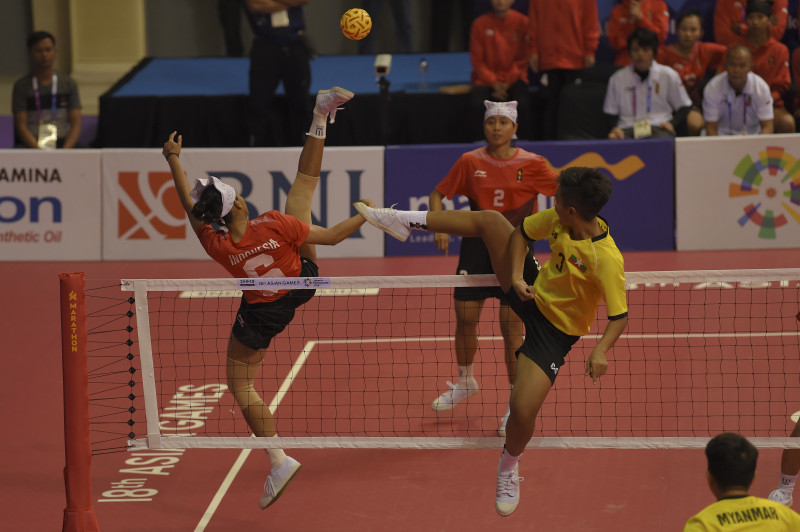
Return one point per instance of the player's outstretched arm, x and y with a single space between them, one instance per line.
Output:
596 364
330 236
172 152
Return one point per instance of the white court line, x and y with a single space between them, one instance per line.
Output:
591 336
237 465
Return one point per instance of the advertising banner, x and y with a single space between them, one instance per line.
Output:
49 205
738 192
640 212
143 218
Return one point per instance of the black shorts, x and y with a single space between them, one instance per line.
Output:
544 343
473 259
257 324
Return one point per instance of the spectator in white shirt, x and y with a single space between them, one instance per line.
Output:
646 99
738 101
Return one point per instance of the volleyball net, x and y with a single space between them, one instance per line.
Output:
359 366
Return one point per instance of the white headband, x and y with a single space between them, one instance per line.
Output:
507 109
227 192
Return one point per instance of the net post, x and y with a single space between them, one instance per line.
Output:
79 514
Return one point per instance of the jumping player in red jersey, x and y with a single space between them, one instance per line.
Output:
273 245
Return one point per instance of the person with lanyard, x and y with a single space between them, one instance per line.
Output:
280 53
498 177
731 468
45 103
737 101
648 100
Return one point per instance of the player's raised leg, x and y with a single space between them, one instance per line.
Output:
491 226
298 201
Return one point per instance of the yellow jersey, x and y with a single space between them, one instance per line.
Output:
742 514
578 275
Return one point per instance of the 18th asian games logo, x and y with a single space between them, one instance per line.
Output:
769 189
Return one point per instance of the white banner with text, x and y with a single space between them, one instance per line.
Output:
49 205
143 218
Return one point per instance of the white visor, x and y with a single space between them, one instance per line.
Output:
227 192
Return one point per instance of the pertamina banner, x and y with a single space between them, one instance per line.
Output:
49 205
143 218
738 192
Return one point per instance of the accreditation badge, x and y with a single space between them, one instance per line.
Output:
48 135
280 19
642 129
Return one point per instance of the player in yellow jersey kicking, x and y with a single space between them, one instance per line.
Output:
557 305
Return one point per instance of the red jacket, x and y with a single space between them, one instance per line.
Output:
563 32
771 62
499 48
655 18
729 13
705 56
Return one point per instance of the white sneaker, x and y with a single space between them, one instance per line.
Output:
507 497
329 100
782 496
386 220
455 395
277 481
503 420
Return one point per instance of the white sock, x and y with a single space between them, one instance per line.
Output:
414 219
464 373
787 482
276 456
319 125
507 462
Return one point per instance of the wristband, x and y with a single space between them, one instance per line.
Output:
172 153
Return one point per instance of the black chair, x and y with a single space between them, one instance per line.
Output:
580 112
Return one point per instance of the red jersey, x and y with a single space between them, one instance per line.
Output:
499 48
563 33
270 248
771 62
655 17
731 13
704 56
508 186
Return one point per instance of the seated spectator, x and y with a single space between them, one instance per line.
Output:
647 99
690 57
731 469
770 60
499 48
564 39
45 103
730 24
631 14
737 102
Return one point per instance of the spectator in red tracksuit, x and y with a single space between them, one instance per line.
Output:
770 60
631 14
499 47
690 57
564 37
730 24
796 74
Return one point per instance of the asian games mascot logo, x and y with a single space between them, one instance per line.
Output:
769 189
